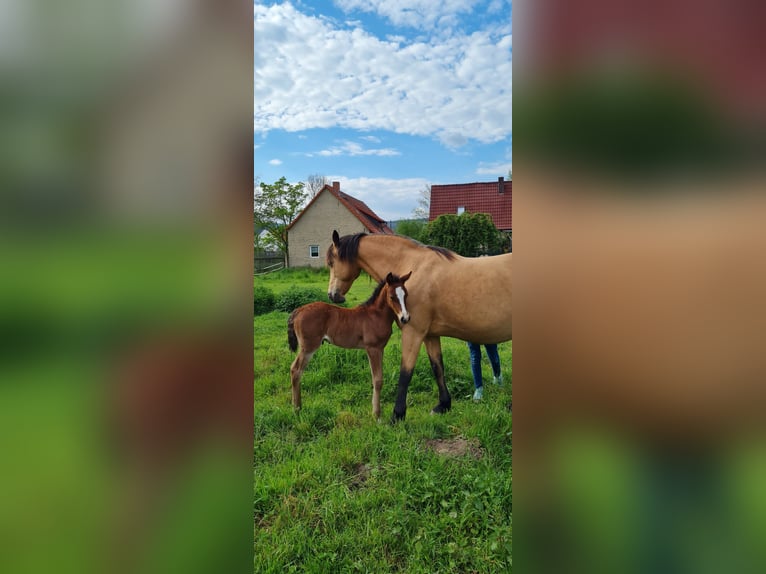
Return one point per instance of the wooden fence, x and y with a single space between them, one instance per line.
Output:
267 262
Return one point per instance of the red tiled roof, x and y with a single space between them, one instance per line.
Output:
366 215
483 197
358 208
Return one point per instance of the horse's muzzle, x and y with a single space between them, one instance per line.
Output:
335 297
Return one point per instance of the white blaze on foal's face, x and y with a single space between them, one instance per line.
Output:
404 316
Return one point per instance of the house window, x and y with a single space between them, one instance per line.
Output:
313 251
461 210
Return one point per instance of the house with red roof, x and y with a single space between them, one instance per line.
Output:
494 198
310 234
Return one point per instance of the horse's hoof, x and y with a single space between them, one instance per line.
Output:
396 417
440 409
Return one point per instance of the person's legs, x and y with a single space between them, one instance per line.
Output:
475 351
494 360
475 363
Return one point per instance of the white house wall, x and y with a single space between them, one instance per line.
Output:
315 227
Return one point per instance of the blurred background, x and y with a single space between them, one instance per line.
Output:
125 261
640 372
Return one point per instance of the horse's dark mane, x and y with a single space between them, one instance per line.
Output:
443 251
348 248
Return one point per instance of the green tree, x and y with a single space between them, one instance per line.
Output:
276 206
411 228
468 234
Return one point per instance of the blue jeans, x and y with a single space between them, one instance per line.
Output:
494 360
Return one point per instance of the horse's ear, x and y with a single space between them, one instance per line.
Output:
335 237
390 278
404 278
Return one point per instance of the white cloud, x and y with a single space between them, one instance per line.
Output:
497 169
275 162
391 199
309 74
424 14
354 149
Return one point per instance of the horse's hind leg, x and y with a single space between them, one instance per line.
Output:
375 357
296 370
434 350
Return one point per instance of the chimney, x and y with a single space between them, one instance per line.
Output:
500 185
336 186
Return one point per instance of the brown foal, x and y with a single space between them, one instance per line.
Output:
367 326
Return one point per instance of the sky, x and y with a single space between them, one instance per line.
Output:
384 96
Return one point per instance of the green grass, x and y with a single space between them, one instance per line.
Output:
336 491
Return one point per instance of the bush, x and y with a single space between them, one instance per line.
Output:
295 296
263 300
468 234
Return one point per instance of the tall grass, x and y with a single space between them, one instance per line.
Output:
336 491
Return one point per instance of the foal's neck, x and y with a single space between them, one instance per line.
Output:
381 304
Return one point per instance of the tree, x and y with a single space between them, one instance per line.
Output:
315 183
468 234
411 228
276 206
424 204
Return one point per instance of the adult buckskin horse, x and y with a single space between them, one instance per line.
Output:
449 296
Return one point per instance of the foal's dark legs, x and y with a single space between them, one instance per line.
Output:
434 350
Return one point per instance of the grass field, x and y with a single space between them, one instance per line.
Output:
336 491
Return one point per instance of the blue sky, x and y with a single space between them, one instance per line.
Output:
385 96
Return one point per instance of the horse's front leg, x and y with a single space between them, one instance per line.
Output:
375 357
434 350
411 341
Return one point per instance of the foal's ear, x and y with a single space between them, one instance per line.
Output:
390 278
335 237
405 277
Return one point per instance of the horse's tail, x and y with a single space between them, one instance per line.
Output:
292 339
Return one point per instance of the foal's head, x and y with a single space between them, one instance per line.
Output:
396 295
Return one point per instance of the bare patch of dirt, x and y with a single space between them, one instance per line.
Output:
455 447
360 474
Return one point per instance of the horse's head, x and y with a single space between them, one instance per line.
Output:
397 296
343 271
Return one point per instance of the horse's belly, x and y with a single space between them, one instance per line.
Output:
481 335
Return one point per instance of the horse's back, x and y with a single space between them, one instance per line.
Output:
470 298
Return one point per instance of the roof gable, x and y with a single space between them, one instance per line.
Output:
366 216
479 197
